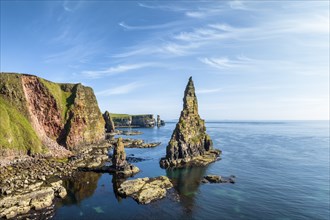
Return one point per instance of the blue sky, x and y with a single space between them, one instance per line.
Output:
251 60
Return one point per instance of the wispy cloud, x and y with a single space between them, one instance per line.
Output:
71 6
195 14
114 70
225 62
175 8
146 27
238 5
124 89
78 53
207 91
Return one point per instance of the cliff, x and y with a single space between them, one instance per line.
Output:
125 120
189 141
39 116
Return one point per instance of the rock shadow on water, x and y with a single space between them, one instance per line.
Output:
81 186
117 180
186 182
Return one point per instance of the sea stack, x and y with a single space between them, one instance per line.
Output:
158 121
189 144
120 165
109 125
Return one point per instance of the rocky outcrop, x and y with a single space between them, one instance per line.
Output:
189 143
137 143
218 179
146 121
125 120
41 197
109 125
160 122
145 190
120 166
28 177
119 155
42 117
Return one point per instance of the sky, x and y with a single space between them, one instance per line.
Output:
250 60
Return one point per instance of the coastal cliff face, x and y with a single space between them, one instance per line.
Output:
39 116
189 139
125 120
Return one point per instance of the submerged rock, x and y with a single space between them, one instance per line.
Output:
145 190
189 142
218 179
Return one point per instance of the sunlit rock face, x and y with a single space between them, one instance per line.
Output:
189 140
42 117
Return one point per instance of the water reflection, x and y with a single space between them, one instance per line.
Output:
81 186
186 182
117 180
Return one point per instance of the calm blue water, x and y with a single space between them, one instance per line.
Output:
281 169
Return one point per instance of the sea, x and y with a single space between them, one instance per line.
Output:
281 169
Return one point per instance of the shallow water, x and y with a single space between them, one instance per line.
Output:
281 169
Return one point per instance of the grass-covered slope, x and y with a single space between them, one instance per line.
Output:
36 114
16 131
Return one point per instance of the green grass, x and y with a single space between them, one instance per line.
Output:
16 131
62 98
126 116
119 116
11 87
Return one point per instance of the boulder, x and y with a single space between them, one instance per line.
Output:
145 190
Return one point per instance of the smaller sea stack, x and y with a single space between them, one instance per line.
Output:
120 165
109 125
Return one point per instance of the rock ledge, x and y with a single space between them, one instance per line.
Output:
145 190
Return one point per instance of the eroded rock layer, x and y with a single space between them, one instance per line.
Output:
39 116
189 140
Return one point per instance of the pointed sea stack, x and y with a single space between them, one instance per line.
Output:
189 144
109 125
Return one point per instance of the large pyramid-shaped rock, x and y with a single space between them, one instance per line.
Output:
189 143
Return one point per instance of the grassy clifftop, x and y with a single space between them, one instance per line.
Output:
37 114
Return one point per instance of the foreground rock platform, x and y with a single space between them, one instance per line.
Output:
41 197
31 184
145 190
202 160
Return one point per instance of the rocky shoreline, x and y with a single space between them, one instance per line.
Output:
33 183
